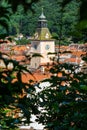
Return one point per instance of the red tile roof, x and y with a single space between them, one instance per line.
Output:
73 60
36 77
78 53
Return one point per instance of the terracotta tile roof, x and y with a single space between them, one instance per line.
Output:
37 77
19 48
73 60
78 53
18 58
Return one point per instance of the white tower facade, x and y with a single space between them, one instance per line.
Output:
42 43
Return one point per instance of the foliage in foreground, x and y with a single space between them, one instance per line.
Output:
16 104
64 103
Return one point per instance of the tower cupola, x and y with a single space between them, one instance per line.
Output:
42 32
42 22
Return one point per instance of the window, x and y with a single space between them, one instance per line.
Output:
35 46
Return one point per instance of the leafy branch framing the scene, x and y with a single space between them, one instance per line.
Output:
16 105
63 104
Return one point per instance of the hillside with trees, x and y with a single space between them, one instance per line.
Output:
57 16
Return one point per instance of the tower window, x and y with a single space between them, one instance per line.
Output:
35 46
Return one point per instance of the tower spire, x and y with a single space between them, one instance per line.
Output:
42 16
42 22
42 10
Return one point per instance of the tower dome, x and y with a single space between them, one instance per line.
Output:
42 22
42 16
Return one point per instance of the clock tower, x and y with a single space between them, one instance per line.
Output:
42 43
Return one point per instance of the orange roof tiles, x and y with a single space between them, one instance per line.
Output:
35 77
18 58
20 47
73 60
78 53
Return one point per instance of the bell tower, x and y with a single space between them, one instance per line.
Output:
42 43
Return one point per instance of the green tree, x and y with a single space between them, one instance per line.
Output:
64 102
8 8
80 33
4 18
24 22
15 103
14 100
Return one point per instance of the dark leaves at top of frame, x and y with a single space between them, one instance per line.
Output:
27 4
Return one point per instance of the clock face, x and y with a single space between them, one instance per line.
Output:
47 47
